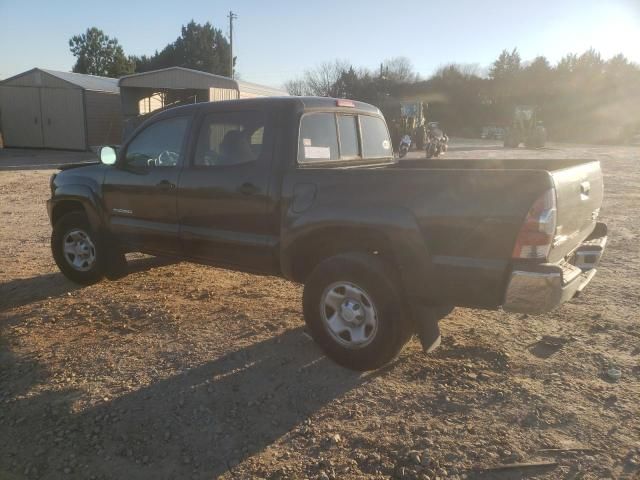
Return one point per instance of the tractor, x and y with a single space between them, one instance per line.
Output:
525 128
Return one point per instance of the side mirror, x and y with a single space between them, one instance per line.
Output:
108 155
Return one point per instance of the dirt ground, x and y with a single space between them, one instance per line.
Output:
182 371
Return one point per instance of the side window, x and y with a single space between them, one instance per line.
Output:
375 138
348 128
158 145
231 138
318 138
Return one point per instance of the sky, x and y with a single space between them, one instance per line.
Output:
276 41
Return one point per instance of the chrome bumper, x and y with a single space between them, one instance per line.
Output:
546 286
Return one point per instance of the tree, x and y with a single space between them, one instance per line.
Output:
506 65
99 54
296 87
347 85
591 61
582 98
320 81
567 64
199 47
398 69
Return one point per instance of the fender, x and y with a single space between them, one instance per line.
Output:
397 225
82 194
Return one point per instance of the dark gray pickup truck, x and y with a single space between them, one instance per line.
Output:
308 189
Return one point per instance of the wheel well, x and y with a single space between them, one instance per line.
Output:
64 207
313 249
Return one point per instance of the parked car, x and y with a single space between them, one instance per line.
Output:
308 189
496 133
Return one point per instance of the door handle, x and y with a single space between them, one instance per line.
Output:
248 189
166 185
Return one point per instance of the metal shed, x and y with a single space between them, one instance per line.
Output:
144 93
49 109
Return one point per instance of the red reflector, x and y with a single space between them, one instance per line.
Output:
345 103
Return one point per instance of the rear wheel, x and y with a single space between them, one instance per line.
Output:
77 249
538 138
354 311
431 151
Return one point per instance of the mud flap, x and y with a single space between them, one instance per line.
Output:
429 334
427 326
116 266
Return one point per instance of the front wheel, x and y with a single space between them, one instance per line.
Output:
431 151
354 311
77 249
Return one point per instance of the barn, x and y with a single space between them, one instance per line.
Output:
49 109
146 92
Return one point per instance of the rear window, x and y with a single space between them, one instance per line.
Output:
375 138
348 128
326 137
318 138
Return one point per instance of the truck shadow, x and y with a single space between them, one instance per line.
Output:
23 291
198 423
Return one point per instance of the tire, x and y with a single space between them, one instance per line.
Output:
429 151
540 137
510 141
74 228
361 283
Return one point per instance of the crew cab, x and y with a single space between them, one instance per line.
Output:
308 189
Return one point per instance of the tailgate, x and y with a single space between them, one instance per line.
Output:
579 192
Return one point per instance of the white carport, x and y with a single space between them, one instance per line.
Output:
146 92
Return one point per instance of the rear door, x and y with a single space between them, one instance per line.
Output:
579 193
225 210
21 118
140 190
63 118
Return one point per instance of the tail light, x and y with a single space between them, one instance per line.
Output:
536 234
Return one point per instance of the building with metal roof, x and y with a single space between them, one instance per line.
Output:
144 93
43 108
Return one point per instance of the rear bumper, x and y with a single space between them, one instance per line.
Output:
541 288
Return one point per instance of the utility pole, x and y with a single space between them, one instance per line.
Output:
232 16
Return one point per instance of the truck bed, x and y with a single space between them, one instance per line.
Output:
578 185
468 213
491 163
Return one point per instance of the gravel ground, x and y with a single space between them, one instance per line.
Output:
182 371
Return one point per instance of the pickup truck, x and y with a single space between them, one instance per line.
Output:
308 189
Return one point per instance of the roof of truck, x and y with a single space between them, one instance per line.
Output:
302 103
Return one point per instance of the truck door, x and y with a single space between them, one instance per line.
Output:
225 212
140 190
